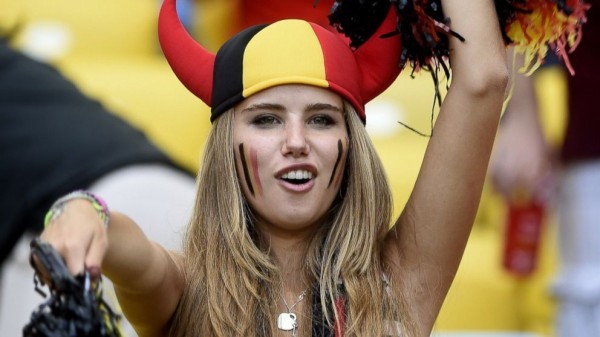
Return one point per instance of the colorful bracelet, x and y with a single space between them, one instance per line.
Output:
59 205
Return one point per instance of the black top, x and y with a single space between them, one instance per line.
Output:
53 140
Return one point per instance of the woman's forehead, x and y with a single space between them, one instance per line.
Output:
293 95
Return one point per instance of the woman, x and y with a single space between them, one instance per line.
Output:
290 234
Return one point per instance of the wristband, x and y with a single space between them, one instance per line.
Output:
59 205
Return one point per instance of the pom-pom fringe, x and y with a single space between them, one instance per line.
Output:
533 27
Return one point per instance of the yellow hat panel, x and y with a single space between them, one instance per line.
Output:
293 55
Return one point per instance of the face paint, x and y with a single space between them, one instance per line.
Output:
335 175
254 166
245 168
269 125
250 166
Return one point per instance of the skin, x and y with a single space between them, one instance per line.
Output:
337 169
522 163
425 245
290 127
428 240
251 177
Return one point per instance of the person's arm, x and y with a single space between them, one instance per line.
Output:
427 242
147 278
521 160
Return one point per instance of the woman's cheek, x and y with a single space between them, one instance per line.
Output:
338 167
249 161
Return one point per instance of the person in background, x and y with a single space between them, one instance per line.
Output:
249 13
219 20
54 139
522 162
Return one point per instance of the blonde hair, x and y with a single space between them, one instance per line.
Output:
229 272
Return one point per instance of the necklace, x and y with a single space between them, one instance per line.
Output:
287 321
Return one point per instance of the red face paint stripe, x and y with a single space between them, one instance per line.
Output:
337 161
245 168
340 325
254 166
340 173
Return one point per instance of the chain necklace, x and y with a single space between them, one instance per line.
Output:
287 321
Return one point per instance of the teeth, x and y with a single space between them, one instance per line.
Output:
298 174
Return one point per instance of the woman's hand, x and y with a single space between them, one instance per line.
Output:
80 237
148 281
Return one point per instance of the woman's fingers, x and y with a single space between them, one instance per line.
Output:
79 236
95 253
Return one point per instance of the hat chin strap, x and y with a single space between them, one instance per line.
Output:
191 63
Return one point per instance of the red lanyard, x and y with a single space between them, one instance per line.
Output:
340 324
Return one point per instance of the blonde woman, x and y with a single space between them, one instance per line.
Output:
290 235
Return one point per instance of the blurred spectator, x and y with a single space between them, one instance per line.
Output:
522 161
187 13
53 140
241 14
254 12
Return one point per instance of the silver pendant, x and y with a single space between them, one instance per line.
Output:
286 321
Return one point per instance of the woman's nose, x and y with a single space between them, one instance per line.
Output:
295 142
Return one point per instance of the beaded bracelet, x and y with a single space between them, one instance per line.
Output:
59 205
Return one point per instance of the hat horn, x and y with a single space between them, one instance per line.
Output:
192 63
378 58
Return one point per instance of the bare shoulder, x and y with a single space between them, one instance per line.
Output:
177 258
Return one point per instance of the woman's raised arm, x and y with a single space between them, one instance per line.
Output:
427 242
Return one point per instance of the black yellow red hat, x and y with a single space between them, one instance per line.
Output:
283 52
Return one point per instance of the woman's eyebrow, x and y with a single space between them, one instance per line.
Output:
265 106
323 106
278 107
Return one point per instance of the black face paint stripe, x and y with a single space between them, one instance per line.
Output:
245 167
337 162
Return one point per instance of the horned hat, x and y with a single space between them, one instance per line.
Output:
284 52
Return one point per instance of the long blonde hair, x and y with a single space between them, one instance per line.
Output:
229 273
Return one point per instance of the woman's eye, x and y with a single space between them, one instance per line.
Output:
321 120
265 120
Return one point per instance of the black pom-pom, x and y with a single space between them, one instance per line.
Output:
75 307
358 19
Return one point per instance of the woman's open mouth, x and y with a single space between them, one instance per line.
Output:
297 177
